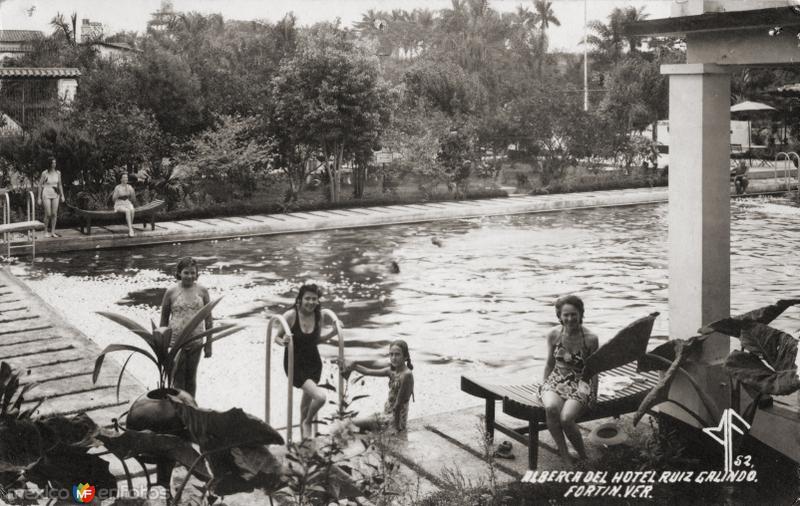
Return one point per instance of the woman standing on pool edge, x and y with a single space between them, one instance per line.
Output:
305 322
50 189
563 393
181 302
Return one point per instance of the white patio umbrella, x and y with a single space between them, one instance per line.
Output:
749 110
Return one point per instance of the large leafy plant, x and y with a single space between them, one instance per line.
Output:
158 339
764 366
48 452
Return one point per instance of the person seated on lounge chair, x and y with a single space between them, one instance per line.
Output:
563 394
123 197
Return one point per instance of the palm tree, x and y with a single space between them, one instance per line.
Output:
633 15
522 41
543 17
61 26
610 40
474 32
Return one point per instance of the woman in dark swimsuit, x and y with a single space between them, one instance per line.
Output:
563 394
305 321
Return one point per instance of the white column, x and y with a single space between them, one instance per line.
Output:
699 218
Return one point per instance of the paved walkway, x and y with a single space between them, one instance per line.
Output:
34 339
115 236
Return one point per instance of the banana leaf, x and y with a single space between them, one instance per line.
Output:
247 468
214 429
234 443
8 393
78 430
132 443
64 465
668 351
628 345
766 314
21 444
751 370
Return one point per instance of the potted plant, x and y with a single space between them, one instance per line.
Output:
153 410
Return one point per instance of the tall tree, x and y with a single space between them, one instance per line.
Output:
328 94
544 16
610 40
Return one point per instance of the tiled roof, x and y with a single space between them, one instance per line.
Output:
38 72
118 45
20 35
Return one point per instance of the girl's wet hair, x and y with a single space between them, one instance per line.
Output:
183 263
403 348
304 289
572 300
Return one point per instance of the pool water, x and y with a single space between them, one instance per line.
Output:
471 296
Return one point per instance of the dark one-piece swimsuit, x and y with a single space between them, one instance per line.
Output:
307 362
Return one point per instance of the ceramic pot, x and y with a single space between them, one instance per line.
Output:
154 411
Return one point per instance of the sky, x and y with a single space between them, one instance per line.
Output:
133 15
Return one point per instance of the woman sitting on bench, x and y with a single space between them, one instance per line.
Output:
563 394
123 197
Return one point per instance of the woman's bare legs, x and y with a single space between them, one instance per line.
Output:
129 219
50 213
316 399
305 402
553 405
569 414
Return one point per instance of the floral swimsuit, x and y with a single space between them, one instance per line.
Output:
565 377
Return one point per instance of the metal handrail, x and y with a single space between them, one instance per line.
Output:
786 173
30 208
287 333
797 157
6 221
337 324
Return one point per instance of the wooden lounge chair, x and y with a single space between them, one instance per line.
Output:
522 402
145 214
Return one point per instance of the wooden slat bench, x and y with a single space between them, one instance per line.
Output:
522 402
146 214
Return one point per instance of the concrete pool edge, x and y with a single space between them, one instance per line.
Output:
244 226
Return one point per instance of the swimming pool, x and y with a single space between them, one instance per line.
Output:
479 301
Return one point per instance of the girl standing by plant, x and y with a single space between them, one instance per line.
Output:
401 388
50 189
305 322
181 302
563 393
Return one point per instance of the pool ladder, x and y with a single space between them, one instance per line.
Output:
787 157
28 227
287 333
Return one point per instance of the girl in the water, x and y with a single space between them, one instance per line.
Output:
401 388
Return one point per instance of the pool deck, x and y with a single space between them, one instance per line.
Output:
37 341
166 232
